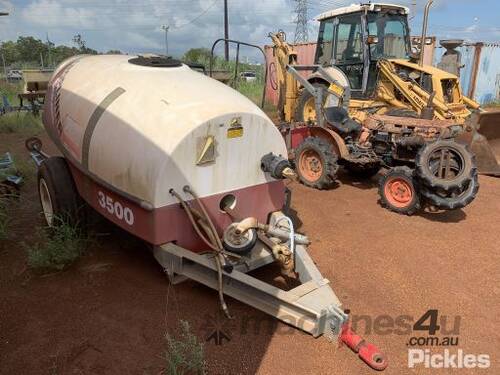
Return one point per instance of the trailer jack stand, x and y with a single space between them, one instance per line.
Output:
369 353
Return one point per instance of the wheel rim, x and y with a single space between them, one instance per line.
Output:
46 201
309 110
398 192
311 167
445 163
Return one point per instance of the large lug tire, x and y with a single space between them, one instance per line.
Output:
363 171
399 192
453 200
316 163
462 166
306 110
57 192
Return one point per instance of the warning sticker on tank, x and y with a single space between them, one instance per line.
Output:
235 132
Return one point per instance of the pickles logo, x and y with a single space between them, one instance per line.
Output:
434 324
447 359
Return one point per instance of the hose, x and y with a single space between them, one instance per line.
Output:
292 232
292 237
188 190
216 247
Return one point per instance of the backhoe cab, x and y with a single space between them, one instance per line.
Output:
354 38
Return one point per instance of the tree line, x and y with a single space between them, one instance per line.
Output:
29 52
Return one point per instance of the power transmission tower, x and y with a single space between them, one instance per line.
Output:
166 28
301 33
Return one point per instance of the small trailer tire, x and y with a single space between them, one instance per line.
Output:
57 192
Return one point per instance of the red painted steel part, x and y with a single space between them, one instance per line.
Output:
369 353
170 223
398 192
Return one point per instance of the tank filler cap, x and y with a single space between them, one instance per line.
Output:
155 61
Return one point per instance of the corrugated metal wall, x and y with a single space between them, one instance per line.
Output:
486 87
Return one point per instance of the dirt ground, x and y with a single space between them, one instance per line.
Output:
108 313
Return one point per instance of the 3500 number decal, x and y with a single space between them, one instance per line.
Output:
115 208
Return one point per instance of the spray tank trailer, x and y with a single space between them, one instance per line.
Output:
193 168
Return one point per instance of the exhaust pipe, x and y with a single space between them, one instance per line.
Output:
424 32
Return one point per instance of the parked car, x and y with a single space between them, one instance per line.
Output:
14 75
248 76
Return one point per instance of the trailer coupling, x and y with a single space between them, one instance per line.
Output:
369 353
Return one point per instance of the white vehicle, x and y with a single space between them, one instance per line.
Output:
14 75
248 76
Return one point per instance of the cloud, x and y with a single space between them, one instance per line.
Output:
135 26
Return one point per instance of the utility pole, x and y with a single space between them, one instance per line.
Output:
226 32
3 58
301 33
165 28
48 50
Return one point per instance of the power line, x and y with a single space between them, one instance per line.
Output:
301 32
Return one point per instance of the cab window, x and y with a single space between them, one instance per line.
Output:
349 40
324 51
392 33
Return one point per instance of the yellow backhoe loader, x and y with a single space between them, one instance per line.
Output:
381 106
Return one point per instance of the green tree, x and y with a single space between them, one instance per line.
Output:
197 55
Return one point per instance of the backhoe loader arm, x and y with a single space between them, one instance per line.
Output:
288 87
416 96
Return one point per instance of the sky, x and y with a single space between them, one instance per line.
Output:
134 26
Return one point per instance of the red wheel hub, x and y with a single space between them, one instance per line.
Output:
310 165
399 192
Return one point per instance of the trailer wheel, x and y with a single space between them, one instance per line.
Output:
306 108
57 192
316 163
398 191
456 165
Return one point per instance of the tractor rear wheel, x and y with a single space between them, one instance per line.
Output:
445 164
316 163
398 191
306 108
57 192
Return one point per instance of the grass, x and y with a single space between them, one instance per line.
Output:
252 90
10 90
184 354
58 248
21 122
26 168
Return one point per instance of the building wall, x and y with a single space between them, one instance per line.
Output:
485 87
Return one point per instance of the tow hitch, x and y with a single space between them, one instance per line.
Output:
369 353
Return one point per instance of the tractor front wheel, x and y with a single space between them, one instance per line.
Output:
398 191
316 163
